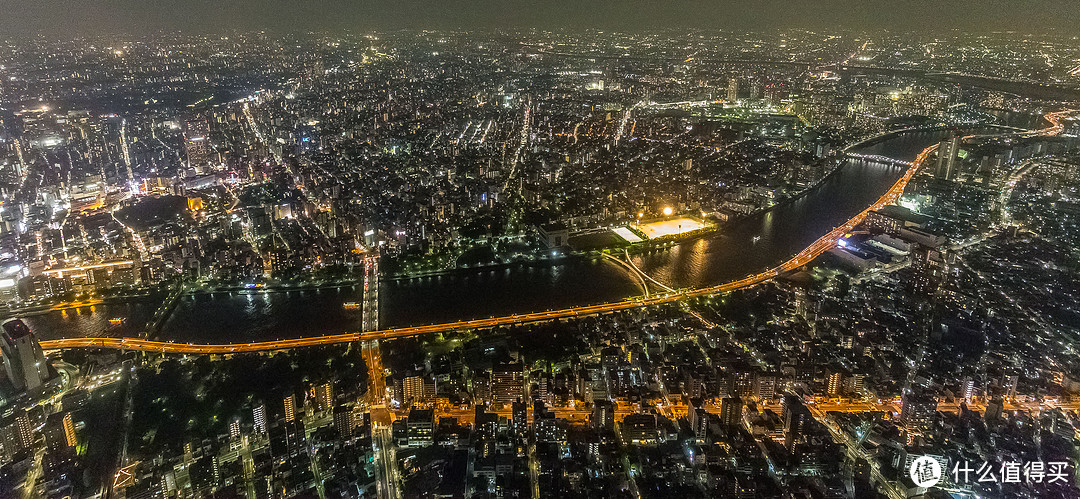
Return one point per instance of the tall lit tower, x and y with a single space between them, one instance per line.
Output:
732 90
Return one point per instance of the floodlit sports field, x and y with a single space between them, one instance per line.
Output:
627 235
670 227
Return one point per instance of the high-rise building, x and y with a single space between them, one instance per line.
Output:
917 411
549 428
507 382
290 408
197 143
765 385
15 435
234 428
855 383
967 388
930 269
421 427
344 420
797 419
412 390
258 416
542 388
733 90
24 431
836 381
60 431
699 423
23 360
947 151
519 414
324 396
755 89
742 382
730 411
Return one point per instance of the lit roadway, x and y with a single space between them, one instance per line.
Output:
823 244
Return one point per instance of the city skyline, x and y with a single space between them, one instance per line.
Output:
493 262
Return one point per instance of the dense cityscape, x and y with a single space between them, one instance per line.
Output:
529 263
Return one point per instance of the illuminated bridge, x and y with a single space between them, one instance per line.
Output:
804 257
877 158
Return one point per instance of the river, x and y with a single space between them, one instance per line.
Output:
756 243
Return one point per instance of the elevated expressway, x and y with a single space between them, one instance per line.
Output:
822 244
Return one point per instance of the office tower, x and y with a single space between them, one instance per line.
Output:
507 382
344 420
732 90
755 90
23 360
742 381
234 428
421 427
258 415
307 139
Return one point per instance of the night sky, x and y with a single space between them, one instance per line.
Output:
89 17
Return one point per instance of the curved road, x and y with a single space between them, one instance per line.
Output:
822 244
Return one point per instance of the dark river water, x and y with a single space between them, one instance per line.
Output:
93 320
726 255
767 239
